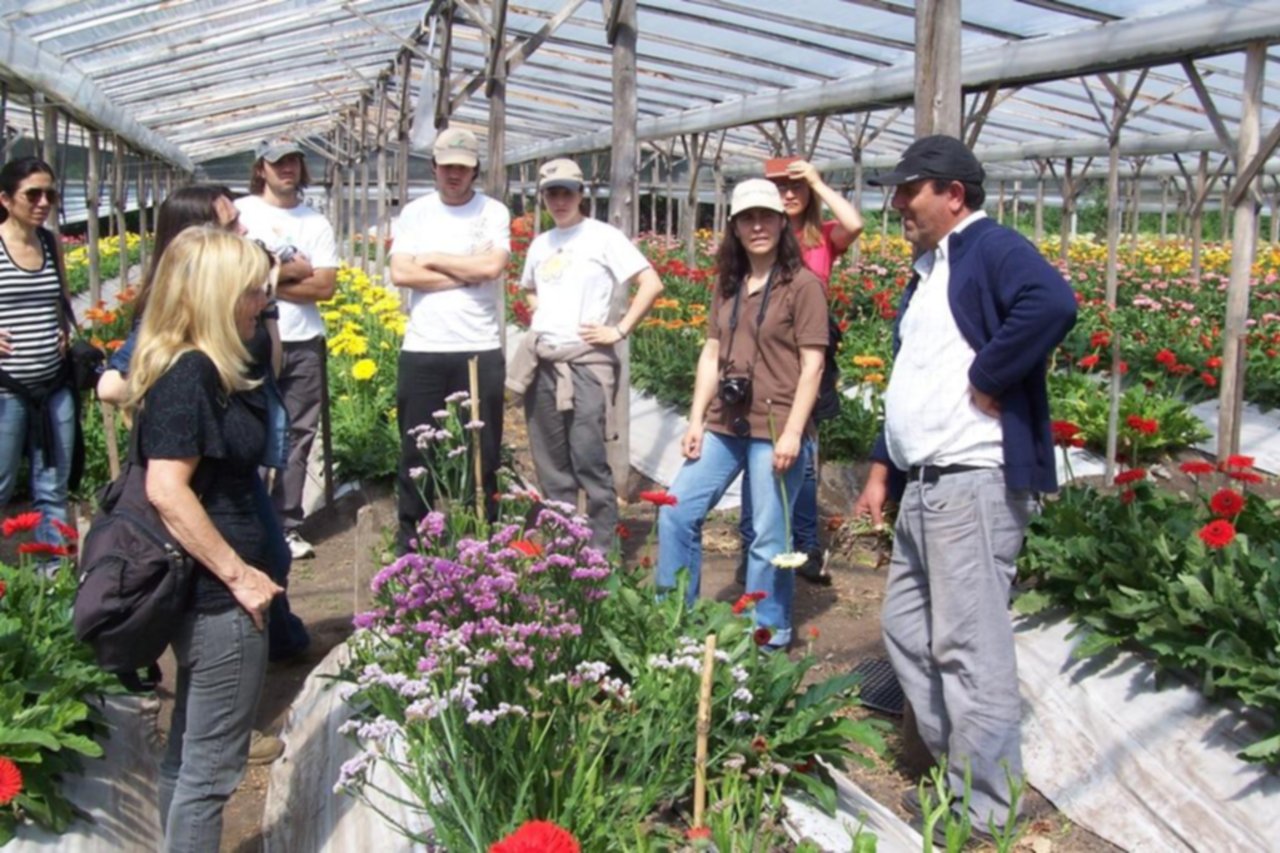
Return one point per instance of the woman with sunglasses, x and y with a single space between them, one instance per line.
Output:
756 385
37 402
803 193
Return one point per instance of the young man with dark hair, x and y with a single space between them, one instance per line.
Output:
966 447
450 249
303 241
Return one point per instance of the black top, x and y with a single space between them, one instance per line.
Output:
186 414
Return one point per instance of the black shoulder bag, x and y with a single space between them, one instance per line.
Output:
135 579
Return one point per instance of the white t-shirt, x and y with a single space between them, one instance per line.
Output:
574 272
306 230
462 319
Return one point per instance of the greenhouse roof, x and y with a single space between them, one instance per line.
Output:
194 80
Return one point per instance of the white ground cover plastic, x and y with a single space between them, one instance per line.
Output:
118 791
1259 434
1148 769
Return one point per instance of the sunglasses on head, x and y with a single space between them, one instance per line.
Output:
34 194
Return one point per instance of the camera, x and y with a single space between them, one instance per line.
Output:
735 390
287 254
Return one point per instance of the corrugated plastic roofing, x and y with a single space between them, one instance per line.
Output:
209 78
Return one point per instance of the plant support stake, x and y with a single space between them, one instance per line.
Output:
473 372
704 728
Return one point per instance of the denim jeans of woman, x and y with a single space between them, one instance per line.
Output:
48 481
697 488
222 661
804 506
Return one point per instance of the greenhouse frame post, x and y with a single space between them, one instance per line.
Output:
938 99
50 156
92 194
120 200
496 91
1243 245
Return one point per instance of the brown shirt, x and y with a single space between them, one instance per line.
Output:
795 317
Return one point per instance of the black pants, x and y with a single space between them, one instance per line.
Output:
426 378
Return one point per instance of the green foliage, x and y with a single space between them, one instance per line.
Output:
49 686
1086 402
1142 572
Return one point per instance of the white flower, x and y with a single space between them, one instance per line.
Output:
790 560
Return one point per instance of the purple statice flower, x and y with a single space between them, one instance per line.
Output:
488 718
460 450
432 525
353 772
743 695
441 415
380 730
418 472
366 620
458 397
474 425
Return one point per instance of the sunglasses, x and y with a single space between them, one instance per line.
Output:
34 194
785 187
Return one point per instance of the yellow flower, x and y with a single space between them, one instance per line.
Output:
364 369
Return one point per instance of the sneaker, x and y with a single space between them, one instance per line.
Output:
264 749
299 548
740 574
815 568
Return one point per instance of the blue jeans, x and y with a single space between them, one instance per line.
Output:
804 505
697 488
48 482
222 660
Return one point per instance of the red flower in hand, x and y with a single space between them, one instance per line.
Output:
1218 533
10 779
537 836
21 523
1226 503
659 497
1196 468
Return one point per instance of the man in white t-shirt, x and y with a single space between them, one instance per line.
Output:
572 273
451 250
303 240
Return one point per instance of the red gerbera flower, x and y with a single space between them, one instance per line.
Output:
759 744
10 779
743 602
45 548
1146 426
1089 361
762 636
1133 475
1127 496
68 532
1245 476
1238 461
1213 363
1218 533
537 836
529 549
1227 503
1167 358
622 530
1209 379
1196 468
3 589
1065 433
21 523
1099 339
659 497
698 833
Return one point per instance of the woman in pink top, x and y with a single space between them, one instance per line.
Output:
803 193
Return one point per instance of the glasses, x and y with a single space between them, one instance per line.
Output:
792 187
34 194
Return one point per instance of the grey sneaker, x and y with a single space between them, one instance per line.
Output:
264 749
299 548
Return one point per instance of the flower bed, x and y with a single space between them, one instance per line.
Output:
49 687
513 673
1195 582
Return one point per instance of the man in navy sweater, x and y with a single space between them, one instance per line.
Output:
966 449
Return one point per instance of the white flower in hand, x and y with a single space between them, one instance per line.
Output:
790 560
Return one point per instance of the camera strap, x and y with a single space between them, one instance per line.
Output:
733 322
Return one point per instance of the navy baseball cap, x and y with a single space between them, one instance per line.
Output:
943 157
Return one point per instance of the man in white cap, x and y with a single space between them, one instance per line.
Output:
572 273
302 239
450 249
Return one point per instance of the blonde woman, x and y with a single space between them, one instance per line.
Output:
200 417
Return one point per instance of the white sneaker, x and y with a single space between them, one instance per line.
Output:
299 548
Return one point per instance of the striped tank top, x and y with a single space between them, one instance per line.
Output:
29 313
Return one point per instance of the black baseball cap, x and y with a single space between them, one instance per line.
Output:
937 156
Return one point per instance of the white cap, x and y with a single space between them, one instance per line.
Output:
456 146
560 173
756 192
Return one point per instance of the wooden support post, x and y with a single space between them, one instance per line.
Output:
384 222
703 731
1243 246
938 101
351 212
1068 207
496 90
142 214
1017 197
92 191
671 194
1197 216
624 157
1164 208
1000 205
121 201
402 133
50 156
1039 216
1113 243
364 183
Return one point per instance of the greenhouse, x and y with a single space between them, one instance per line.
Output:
505 247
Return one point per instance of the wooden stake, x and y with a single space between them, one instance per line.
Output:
704 728
473 372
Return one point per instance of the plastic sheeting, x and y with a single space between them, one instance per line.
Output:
304 815
118 791
1148 769
1259 433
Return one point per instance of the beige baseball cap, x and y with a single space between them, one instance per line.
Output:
560 173
756 192
456 146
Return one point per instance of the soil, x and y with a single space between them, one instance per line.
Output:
351 536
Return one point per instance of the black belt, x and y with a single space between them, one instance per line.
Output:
931 473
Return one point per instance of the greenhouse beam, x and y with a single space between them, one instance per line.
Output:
62 82
1199 31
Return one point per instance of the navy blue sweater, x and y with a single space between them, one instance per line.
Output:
1013 308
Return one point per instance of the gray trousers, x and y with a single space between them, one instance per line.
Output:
302 385
948 631
568 448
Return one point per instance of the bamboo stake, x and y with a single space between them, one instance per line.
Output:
473 372
704 728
